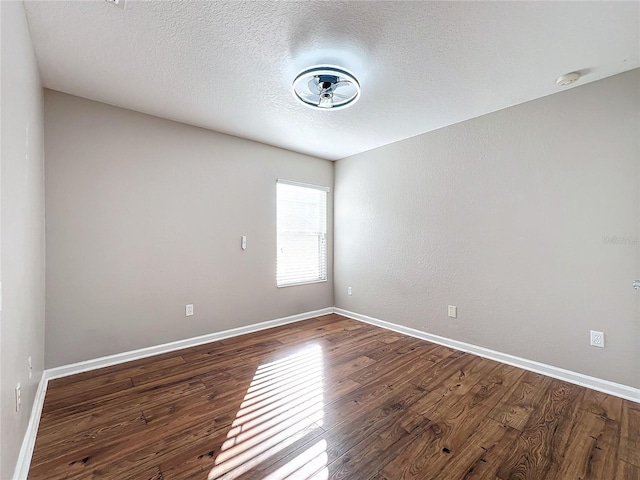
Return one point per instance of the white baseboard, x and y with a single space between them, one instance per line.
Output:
26 451
612 388
118 358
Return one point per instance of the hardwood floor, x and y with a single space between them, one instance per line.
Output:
330 398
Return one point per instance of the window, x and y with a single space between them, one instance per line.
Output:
302 233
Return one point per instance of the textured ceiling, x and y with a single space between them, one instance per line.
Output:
228 66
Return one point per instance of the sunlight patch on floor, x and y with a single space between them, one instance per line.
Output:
283 404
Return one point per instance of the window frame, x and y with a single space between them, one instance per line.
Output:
323 236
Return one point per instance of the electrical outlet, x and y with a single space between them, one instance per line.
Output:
30 368
348 290
188 310
18 397
597 339
453 311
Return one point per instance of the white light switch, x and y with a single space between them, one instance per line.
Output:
244 242
18 397
453 311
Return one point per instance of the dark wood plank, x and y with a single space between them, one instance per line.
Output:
448 432
446 392
607 406
521 401
626 471
630 434
69 395
591 435
479 456
367 457
119 372
539 443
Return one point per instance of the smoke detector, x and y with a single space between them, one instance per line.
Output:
568 79
326 88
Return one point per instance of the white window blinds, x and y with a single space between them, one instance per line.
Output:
302 233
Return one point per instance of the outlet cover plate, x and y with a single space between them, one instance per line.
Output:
453 311
597 339
188 310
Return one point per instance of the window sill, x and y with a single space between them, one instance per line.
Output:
301 283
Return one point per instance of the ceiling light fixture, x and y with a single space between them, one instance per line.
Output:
326 88
568 79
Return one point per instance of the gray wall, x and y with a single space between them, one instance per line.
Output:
511 217
145 215
22 231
